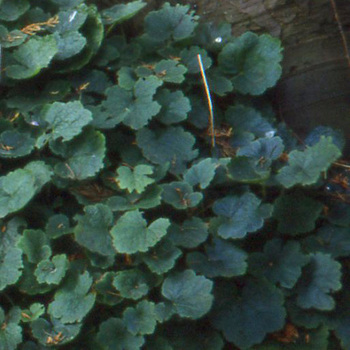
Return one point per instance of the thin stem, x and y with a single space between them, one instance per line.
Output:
210 105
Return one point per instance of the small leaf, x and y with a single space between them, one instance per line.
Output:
84 155
32 56
72 301
170 22
296 213
131 234
190 60
221 259
52 271
113 335
190 234
170 71
10 332
321 277
14 144
92 230
121 12
135 179
57 226
69 44
141 319
172 145
241 214
201 173
10 10
279 263
180 195
190 294
132 284
175 106
305 167
162 257
33 313
35 245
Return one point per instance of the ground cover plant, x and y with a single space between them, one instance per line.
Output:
130 219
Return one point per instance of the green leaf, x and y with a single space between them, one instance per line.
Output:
175 106
84 155
65 120
190 60
141 319
253 61
134 109
247 119
73 301
190 294
241 214
221 259
33 313
10 255
105 291
57 226
35 245
305 167
71 20
331 240
15 144
296 213
135 179
180 195
92 230
43 330
52 271
32 56
246 318
190 234
171 22
132 284
201 173
69 44
17 188
162 257
113 335
131 234
10 332
321 277
170 71
246 170
279 263
121 12
10 10
172 145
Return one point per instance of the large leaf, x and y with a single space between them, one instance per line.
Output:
279 263
190 294
11 331
221 259
253 61
305 167
32 56
321 277
131 234
247 317
15 144
240 215
170 22
172 145
73 301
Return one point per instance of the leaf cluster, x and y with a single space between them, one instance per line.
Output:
122 227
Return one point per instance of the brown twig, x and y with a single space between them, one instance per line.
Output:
343 36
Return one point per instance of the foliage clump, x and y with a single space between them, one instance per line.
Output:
122 227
